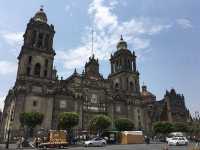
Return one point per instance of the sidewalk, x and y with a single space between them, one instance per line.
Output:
12 147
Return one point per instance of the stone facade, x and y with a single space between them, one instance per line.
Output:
37 87
171 108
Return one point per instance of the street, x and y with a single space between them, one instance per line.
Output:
132 147
121 147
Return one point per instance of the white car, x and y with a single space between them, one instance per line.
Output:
177 141
95 142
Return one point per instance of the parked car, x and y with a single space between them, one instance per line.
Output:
174 134
178 141
95 142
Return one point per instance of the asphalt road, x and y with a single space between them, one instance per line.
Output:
132 147
120 147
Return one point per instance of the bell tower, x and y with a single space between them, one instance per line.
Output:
37 54
124 74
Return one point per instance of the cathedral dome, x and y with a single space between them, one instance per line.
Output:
40 16
121 44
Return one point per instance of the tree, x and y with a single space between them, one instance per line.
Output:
67 121
124 124
100 123
31 120
181 127
158 127
163 127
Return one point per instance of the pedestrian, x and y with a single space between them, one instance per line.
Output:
147 140
18 142
39 141
36 142
22 142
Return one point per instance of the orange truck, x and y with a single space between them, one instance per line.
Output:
132 137
56 139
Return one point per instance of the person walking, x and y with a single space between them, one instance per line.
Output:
18 142
22 142
36 142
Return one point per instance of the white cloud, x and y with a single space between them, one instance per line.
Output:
141 43
108 28
184 23
67 8
103 17
159 28
7 67
73 57
14 39
113 2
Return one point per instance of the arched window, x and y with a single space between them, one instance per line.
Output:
131 85
117 66
33 39
47 41
40 40
120 64
37 69
28 71
116 85
30 59
45 73
129 64
46 63
34 103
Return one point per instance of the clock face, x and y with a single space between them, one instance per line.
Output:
94 98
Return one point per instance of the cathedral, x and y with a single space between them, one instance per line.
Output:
38 88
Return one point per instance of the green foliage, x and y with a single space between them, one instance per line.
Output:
163 127
68 120
31 119
100 123
124 124
181 127
194 130
158 127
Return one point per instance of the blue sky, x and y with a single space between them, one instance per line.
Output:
164 34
